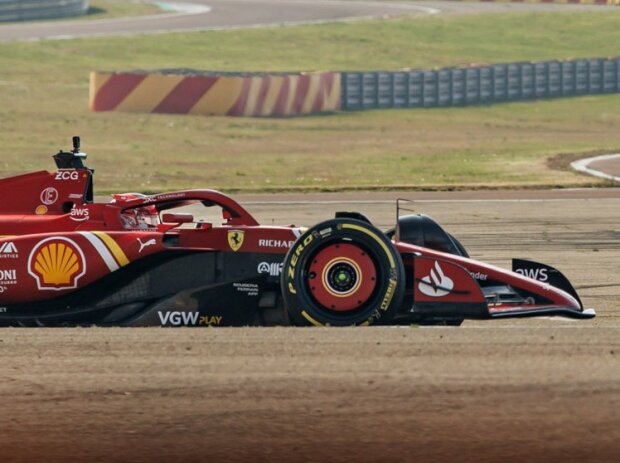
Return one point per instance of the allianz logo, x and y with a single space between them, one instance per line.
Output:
8 250
272 268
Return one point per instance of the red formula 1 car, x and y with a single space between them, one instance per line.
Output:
142 261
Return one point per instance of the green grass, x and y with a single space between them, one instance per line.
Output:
44 95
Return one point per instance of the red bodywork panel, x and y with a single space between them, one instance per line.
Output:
441 280
54 241
41 193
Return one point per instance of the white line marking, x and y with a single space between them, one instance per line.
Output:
582 166
303 22
349 3
186 11
413 201
181 7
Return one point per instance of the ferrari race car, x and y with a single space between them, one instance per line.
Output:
143 260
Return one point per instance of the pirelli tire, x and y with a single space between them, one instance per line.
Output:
342 272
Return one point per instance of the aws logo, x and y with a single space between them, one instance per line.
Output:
540 274
79 214
56 264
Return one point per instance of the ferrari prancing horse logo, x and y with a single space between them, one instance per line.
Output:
235 239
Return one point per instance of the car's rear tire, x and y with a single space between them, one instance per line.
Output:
342 272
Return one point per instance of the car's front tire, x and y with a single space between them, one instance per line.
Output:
342 272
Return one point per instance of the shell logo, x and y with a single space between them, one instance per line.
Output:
56 264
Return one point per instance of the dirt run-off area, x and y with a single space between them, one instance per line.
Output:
534 390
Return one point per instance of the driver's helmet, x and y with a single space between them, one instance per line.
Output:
137 218
147 216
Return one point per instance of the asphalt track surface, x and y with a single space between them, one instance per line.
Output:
609 167
535 390
230 14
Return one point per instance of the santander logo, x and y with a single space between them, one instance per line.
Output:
437 284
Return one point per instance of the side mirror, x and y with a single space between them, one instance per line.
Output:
177 218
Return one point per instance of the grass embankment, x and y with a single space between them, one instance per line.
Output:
44 93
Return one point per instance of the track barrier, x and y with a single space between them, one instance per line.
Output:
224 94
26 10
274 95
487 84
